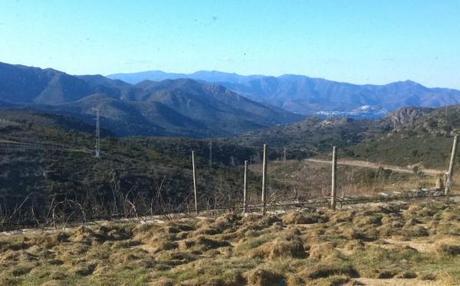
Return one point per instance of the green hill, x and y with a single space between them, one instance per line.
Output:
53 172
419 138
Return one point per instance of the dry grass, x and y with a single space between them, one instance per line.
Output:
448 246
391 244
303 180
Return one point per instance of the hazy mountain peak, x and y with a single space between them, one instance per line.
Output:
307 95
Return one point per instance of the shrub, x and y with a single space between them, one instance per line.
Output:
263 277
280 248
449 247
326 270
299 218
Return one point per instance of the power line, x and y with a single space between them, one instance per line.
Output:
210 154
98 135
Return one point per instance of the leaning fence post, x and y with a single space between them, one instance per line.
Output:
334 178
245 186
451 167
264 179
194 182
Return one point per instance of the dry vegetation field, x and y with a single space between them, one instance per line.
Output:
302 180
375 244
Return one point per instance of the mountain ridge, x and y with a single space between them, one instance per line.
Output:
170 108
308 95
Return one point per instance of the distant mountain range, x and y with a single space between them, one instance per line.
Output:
181 107
305 95
204 103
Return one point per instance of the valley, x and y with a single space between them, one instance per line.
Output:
153 175
229 143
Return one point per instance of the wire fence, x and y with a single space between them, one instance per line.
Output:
214 187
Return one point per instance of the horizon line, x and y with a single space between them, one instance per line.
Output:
233 73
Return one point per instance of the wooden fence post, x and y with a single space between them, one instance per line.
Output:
334 178
194 182
451 167
245 186
264 179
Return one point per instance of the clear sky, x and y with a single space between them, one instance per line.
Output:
359 41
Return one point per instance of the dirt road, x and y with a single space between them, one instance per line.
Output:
365 164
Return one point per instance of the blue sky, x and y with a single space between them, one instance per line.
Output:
356 41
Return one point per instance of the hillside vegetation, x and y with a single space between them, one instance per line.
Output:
309 137
420 138
407 137
134 176
147 175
